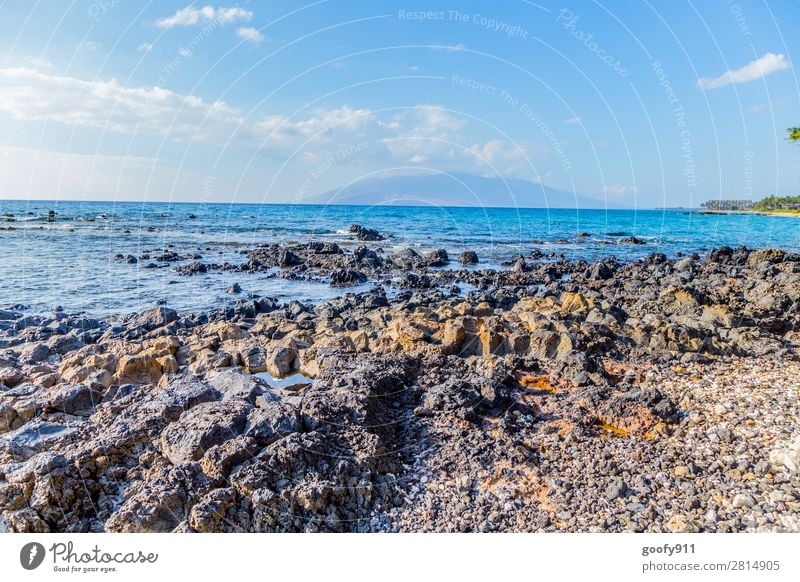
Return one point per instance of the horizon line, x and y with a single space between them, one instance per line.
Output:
206 202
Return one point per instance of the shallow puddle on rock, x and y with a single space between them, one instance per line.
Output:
292 382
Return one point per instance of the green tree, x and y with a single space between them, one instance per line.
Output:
794 133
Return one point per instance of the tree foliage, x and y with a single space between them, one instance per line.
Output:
778 203
794 133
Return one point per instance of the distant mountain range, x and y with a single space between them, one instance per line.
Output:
455 189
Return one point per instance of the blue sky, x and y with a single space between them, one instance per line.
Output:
645 103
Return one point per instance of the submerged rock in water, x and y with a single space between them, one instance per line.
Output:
631 240
345 277
366 234
468 258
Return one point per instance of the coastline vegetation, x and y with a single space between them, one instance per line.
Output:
771 204
778 204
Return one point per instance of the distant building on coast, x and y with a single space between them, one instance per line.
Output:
728 205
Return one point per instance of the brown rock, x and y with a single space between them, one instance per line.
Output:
575 303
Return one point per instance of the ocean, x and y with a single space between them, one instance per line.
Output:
70 262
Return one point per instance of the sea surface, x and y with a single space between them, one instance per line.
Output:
70 262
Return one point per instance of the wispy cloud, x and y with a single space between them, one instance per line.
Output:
27 95
620 190
192 16
500 157
757 69
424 134
572 120
343 124
38 63
144 48
759 107
450 48
250 34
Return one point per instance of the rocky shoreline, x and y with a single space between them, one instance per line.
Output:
554 395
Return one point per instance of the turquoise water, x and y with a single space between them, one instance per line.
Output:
70 263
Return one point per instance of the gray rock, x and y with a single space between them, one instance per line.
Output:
272 422
75 399
468 258
616 489
35 437
63 344
281 361
202 427
600 271
155 318
178 393
34 353
220 459
10 377
406 259
365 234
236 385
162 502
437 258
345 277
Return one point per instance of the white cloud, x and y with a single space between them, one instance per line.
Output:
572 120
425 134
422 133
250 34
499 156
192 16
319 134
432 121
184 52
32 95
144 47
90 45
758 69
38 63
433 136
455 48
620 190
